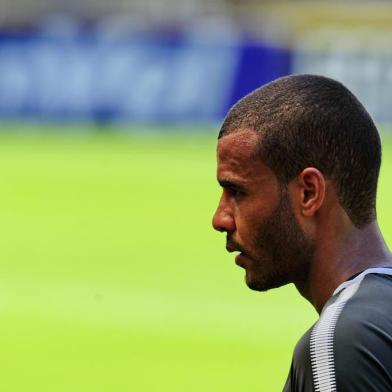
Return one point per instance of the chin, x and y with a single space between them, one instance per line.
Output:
264 283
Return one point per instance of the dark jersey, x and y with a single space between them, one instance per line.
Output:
350 347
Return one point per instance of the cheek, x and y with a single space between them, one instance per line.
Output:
251 218
255 207
247 227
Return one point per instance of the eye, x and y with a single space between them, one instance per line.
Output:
235 192
231 189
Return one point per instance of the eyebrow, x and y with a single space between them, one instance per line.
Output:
229 184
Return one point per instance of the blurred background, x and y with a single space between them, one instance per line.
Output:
111 277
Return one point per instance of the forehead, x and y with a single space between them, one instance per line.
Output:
237 145
236 157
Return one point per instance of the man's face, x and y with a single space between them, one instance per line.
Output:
256 213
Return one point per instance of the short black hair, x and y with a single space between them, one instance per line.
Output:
314 121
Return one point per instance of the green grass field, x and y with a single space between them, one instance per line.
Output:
112 278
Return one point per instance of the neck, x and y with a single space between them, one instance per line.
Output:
339 256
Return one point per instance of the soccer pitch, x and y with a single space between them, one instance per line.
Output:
112 278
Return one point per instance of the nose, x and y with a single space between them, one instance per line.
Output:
223 219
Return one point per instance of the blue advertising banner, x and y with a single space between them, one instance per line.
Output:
133 78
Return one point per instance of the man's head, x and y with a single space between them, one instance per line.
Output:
306 131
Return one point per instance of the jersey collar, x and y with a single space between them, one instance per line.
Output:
347 283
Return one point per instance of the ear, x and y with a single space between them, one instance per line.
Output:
311 187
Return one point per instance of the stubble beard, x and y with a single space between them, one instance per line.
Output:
284 253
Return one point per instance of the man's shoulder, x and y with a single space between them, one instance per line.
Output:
367 311
350 346
361 337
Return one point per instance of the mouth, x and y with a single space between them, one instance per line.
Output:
231 248
240 258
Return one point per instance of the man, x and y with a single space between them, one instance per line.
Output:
298 162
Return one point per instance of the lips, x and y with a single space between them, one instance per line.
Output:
231 248
242 260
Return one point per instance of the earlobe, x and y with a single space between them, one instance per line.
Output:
312 190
